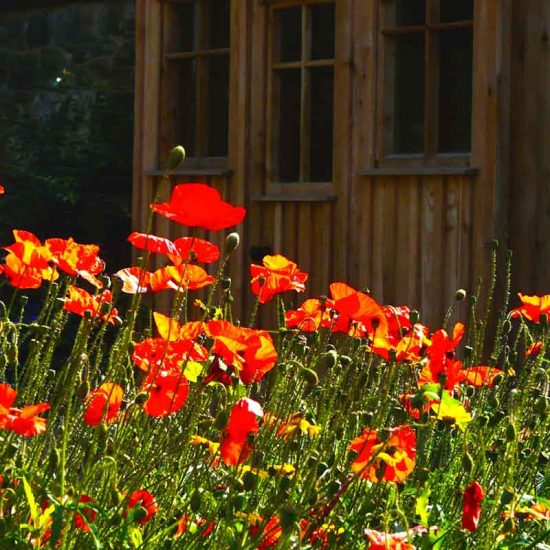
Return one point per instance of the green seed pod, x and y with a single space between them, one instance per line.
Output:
176 157
288 516
232 242
250 481
508 526
467 463
310 376
222 418
139 513
460 295
511 434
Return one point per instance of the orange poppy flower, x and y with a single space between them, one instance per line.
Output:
441 343
2 190
186 521
167 391
144 499
360 307
534 349
481 376
471 506
243 421
391 541
532 307
407 348
170 329
310 316
152 243
23 421
180 277
82 303
199 205
77 259
103 403
134 280
277 275
85 516
389 460
195 250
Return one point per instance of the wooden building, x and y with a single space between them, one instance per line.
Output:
380 142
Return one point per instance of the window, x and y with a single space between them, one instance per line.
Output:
301 96
426 85
196 80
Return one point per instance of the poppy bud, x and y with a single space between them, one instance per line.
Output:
506 497
543 319
288 516
467 463
83 390
232 242
497 379
333 487
141 398
541 405
310 376
510 432
460 294
284 484
506 326
139 513
226 283
237 502
470 390
329 359
176 157
541 376
13 354
492 245
544 458
493 401
250 481
222 418
195 501
345 360
54 459
472 300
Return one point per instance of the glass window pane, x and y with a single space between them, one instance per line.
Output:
407 12
183 104
408 126
287 140
320 123
219 21
218 105
455 90
289 34
456 10
181 25
322 31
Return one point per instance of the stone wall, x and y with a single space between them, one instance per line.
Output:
66 114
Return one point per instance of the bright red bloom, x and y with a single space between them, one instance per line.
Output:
167 393
277 275
152 243
532 307
534 349
471 506
2 190
195 250
391 460
134 280
82 303
393 541
199 205
310 316
235 445
441 344
103 403
23 421
86 515
180 277
450 371
146 500
360 307
185 521
271 534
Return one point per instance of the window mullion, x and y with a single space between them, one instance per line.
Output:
431 109
304 96
201 122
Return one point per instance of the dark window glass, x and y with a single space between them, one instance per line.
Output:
410 12
183 104
455 90
320 124
408 127
181 38
290 34
456 10
219 17
218 105
322 31
288 116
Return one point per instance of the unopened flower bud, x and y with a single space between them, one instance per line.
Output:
176 157
414 316
460 295
310 376
467 463
232 242
288 516
139 513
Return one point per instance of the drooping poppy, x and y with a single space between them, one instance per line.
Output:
391 459
134 280
243 421
278 274
195 250
82 303
534 349
199 205
471 506
103 403
144 499
167 391
152 243
85 515
532 307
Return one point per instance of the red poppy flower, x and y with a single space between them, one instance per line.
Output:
82 303
199 205
152 243
532 307
534 349
134 280
407 348
169 329
2 190
271 534
146 500
391 459
103 403
235 445
310 316
441 344
360 307
394 541
471 506
180 277
23 421
277 275
167 391
85 516
195 250
77 259
185 521
481 376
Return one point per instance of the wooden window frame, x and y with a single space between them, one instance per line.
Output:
197 164
430 157
301 188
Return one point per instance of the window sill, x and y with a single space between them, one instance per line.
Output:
421 171
192 172
273 197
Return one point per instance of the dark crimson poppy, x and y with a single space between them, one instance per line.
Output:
243 421
103 403
471 506
532 307
199 205
144 499
195 250
85 516
278 274
167 391
82 303
152 243
134 280
391 459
